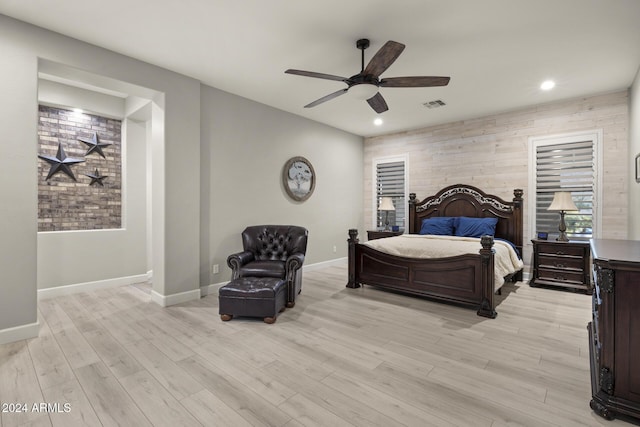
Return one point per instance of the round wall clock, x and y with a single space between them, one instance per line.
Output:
299 178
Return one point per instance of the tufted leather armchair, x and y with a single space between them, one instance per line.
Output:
272 251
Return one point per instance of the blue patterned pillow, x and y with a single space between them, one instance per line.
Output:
475 227
438 225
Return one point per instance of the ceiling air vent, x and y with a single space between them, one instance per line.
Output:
434 104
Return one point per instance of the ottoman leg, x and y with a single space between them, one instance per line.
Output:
270 320
226 317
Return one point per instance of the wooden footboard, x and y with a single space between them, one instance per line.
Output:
465 279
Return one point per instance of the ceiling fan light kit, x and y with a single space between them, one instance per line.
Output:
363 91
366 83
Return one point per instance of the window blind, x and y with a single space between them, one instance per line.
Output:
390 183
566 167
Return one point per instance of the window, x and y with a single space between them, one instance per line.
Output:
565 163
390 181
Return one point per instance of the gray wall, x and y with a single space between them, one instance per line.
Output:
244 148
66 258
175 210
18 209
193 216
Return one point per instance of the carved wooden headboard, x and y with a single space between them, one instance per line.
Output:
466 200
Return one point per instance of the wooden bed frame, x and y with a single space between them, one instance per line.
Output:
464 279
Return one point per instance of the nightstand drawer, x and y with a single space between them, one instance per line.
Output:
560 249
554 261
560 275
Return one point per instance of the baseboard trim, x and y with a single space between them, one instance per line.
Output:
91 286
323 264
19 333
173 299
211 289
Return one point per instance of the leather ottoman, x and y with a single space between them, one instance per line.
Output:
253 297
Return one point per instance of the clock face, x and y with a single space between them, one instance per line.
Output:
298 178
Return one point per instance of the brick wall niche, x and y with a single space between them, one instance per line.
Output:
65 204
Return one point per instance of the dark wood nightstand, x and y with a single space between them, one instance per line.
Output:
563 264
380 234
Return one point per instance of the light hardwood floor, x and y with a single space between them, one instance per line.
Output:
340 357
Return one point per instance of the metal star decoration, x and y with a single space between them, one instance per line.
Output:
95 146
96 178
60 163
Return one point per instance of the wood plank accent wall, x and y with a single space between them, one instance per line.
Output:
492 153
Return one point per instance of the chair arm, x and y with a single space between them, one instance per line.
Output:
294 262
294 278
237 260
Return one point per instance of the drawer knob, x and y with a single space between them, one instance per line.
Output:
560 265
559 278
560 253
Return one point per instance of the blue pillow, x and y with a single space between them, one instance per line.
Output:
438 225
476 227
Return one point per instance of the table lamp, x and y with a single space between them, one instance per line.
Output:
562 202
386 204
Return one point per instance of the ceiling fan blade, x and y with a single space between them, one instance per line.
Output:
316 75
414 81
378 103
383 58
327 98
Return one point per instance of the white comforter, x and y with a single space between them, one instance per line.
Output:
429 246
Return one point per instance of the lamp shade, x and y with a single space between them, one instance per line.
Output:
562 201
386 204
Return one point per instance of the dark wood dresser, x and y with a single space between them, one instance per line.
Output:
614 333
564 264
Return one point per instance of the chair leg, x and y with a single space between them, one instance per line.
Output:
226 317
290 304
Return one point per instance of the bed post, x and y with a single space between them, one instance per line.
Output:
487 308
517 217
351 253
518 227
412 214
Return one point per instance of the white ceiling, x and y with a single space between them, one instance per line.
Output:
497 52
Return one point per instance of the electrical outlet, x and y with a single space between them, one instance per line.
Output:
215 268
334 249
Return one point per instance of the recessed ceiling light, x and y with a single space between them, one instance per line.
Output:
547 85
377 121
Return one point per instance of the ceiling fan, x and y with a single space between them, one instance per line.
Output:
365 84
